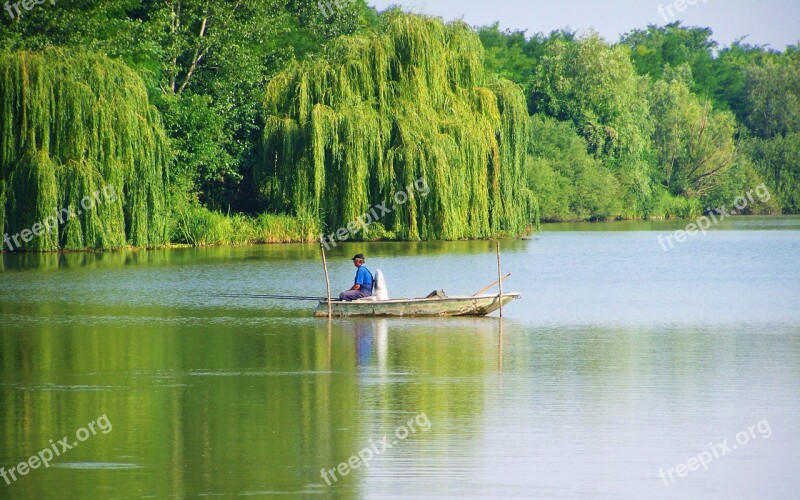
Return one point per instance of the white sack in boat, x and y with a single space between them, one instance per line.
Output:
380 292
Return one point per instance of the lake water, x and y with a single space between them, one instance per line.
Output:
625 370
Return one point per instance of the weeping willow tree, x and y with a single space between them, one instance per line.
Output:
77 133
350 130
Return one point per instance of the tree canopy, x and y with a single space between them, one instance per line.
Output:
269 120
376 113
674 117
73 124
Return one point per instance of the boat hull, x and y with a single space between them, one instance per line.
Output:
479 305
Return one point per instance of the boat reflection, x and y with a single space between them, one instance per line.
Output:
371 338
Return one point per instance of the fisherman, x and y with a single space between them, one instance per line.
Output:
362 286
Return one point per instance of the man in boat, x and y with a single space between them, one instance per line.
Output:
362 285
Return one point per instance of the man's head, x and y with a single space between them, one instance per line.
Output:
358 259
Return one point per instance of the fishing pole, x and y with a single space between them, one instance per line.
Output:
266 296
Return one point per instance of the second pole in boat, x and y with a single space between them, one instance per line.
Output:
499 276
327 279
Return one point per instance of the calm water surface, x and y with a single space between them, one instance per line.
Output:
619 370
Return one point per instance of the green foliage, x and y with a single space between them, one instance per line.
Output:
318 21
693 143
732 65
205 64
198 132
72 124
668 139
357 107
595 87
209 61
3 199
509 54
568 182
668 205
777 161
213 59
773 99
350 130
85 23
760 86
742 178
198 226
656 49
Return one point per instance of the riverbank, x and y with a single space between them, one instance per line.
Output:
220 232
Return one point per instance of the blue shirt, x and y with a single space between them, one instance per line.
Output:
364 278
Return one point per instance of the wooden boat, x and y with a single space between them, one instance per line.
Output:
476 305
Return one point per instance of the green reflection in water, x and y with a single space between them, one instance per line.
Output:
211 396
220 408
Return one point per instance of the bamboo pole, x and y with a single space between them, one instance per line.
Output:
499 276
328 351
262 296
493 283
500 347
327 279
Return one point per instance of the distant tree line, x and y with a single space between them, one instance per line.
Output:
664 123
268 108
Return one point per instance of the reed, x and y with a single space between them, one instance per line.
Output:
196 225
